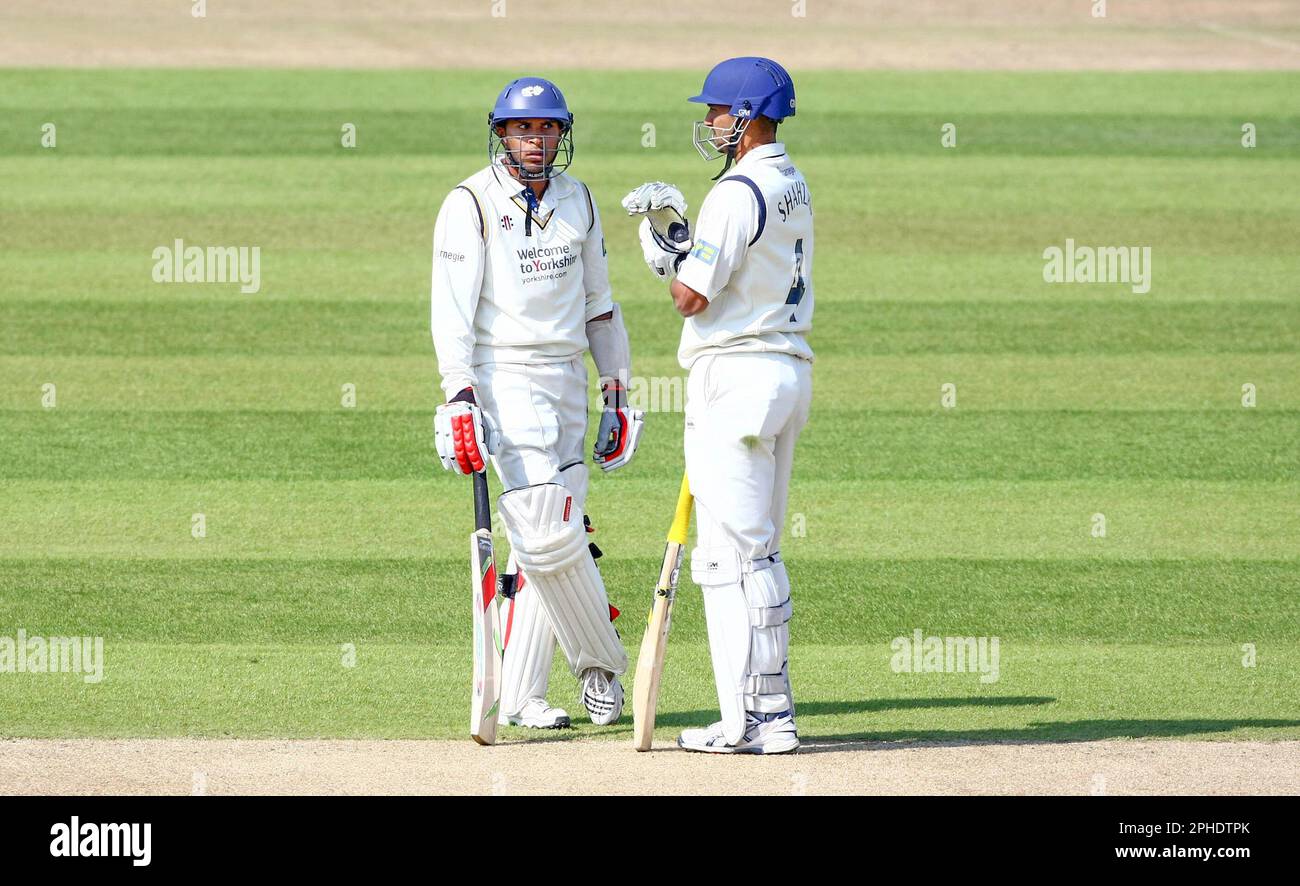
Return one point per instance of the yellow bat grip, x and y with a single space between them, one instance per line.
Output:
682 519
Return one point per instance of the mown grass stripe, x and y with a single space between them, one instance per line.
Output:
229 324
346 444
842 383
855 599
828 519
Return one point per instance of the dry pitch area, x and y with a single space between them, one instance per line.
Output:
187 766
898 34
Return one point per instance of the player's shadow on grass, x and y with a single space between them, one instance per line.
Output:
875 705
861 706
1035 733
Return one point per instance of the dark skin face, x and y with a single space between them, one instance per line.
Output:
761 131
533 142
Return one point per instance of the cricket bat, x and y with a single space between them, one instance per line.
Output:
650 663
486 701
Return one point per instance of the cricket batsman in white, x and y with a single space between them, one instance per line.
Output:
520 294
743 281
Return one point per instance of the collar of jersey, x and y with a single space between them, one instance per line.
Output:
762 152
559 187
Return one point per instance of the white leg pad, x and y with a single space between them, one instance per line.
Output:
767 593
526 668
717 571
547 536
747 608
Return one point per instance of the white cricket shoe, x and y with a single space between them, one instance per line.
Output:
602 696
536 714
764 734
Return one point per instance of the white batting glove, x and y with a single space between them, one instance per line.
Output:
665 232
464 436
664 205
662 260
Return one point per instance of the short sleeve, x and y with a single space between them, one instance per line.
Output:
722 233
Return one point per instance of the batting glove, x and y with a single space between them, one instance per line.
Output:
661 258
619 430
665 232
463 434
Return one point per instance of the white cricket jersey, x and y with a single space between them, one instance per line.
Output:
504 295
752 260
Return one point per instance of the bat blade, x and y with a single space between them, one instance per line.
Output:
487 642
650 661
486 697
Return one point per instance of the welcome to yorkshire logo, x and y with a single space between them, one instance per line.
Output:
545 258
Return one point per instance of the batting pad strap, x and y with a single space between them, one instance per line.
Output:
770 616
764 684
750 566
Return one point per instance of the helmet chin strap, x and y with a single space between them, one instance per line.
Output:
731 156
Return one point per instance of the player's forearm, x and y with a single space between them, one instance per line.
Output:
687 301
607 340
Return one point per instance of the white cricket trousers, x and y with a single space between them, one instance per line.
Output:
744 412
541 409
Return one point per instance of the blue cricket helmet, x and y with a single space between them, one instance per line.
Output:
528 98
749 86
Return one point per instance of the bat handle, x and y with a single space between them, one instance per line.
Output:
682 518
482 505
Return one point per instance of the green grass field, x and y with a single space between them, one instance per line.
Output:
329 526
